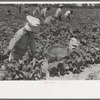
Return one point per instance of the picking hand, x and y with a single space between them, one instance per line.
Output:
33 61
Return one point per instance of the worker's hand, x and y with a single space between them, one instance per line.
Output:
33 61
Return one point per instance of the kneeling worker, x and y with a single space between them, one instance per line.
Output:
68 14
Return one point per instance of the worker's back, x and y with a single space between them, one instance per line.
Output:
19 40
67 13
58 12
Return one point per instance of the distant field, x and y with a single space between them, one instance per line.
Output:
77 11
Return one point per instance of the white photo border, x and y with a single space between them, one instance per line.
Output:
49 89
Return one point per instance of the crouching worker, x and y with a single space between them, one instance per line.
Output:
67 15
58 14
49 20
24 38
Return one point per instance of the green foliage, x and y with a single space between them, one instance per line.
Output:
84 25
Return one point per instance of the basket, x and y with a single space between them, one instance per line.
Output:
57 51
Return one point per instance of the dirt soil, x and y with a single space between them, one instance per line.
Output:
90 73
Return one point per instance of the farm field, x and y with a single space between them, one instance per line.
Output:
81 64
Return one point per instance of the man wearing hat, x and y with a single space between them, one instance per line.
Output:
24 38
59 13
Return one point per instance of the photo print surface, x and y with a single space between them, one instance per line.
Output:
51 41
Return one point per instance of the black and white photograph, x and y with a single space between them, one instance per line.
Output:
49 41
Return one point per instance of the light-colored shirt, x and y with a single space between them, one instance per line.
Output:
58 12
48 20
43 12
67 13
73 43
21 40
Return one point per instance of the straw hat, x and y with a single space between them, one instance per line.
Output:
73 39
33 21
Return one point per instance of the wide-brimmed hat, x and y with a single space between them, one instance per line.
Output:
33 21
73 39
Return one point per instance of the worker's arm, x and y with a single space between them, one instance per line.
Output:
33 48
61 15
38 11
44 14
34 12
32 45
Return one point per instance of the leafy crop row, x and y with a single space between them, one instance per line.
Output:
84 25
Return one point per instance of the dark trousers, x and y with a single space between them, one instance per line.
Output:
58 18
